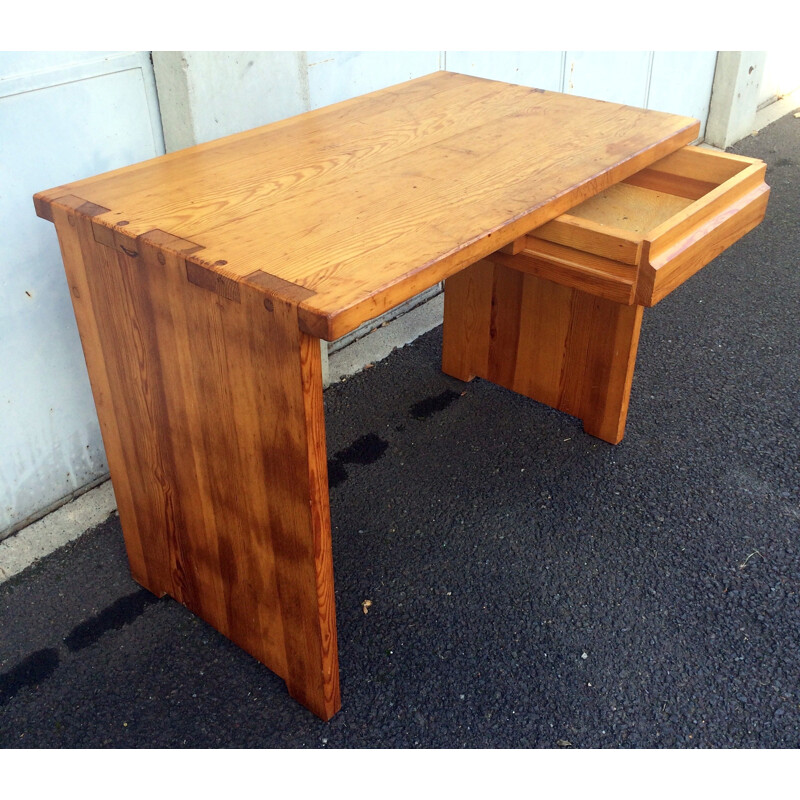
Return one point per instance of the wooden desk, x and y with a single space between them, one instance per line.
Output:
203 280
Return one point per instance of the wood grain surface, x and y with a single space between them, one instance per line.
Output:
202 280
210 404
564 347
366 203
640 239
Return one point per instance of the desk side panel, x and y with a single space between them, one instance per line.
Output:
560 346
211 407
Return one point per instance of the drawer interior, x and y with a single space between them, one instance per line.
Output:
646 202
635 209
643 237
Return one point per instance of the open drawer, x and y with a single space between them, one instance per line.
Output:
639 239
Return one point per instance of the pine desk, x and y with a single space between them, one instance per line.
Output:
202 282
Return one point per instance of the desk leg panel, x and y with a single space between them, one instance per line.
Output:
212 415
563 347
148 559
467 321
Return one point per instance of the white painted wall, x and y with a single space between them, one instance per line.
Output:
205 95
63 116
781 75
335 75
678 82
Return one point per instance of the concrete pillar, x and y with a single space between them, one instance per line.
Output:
734 96
206 95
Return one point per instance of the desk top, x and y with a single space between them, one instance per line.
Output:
351 209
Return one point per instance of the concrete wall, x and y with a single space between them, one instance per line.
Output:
646 79
747 83
205 95
63 116
734 96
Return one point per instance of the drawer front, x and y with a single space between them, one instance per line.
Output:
667 264
679 247
638 240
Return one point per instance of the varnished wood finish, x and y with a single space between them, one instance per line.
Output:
635 209
627 247
590 236
355 202
203 280
563 347
590 273
211 406
667 266
640 239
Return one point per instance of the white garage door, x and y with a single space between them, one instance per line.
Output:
63 116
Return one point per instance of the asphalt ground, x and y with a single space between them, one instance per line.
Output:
530 586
